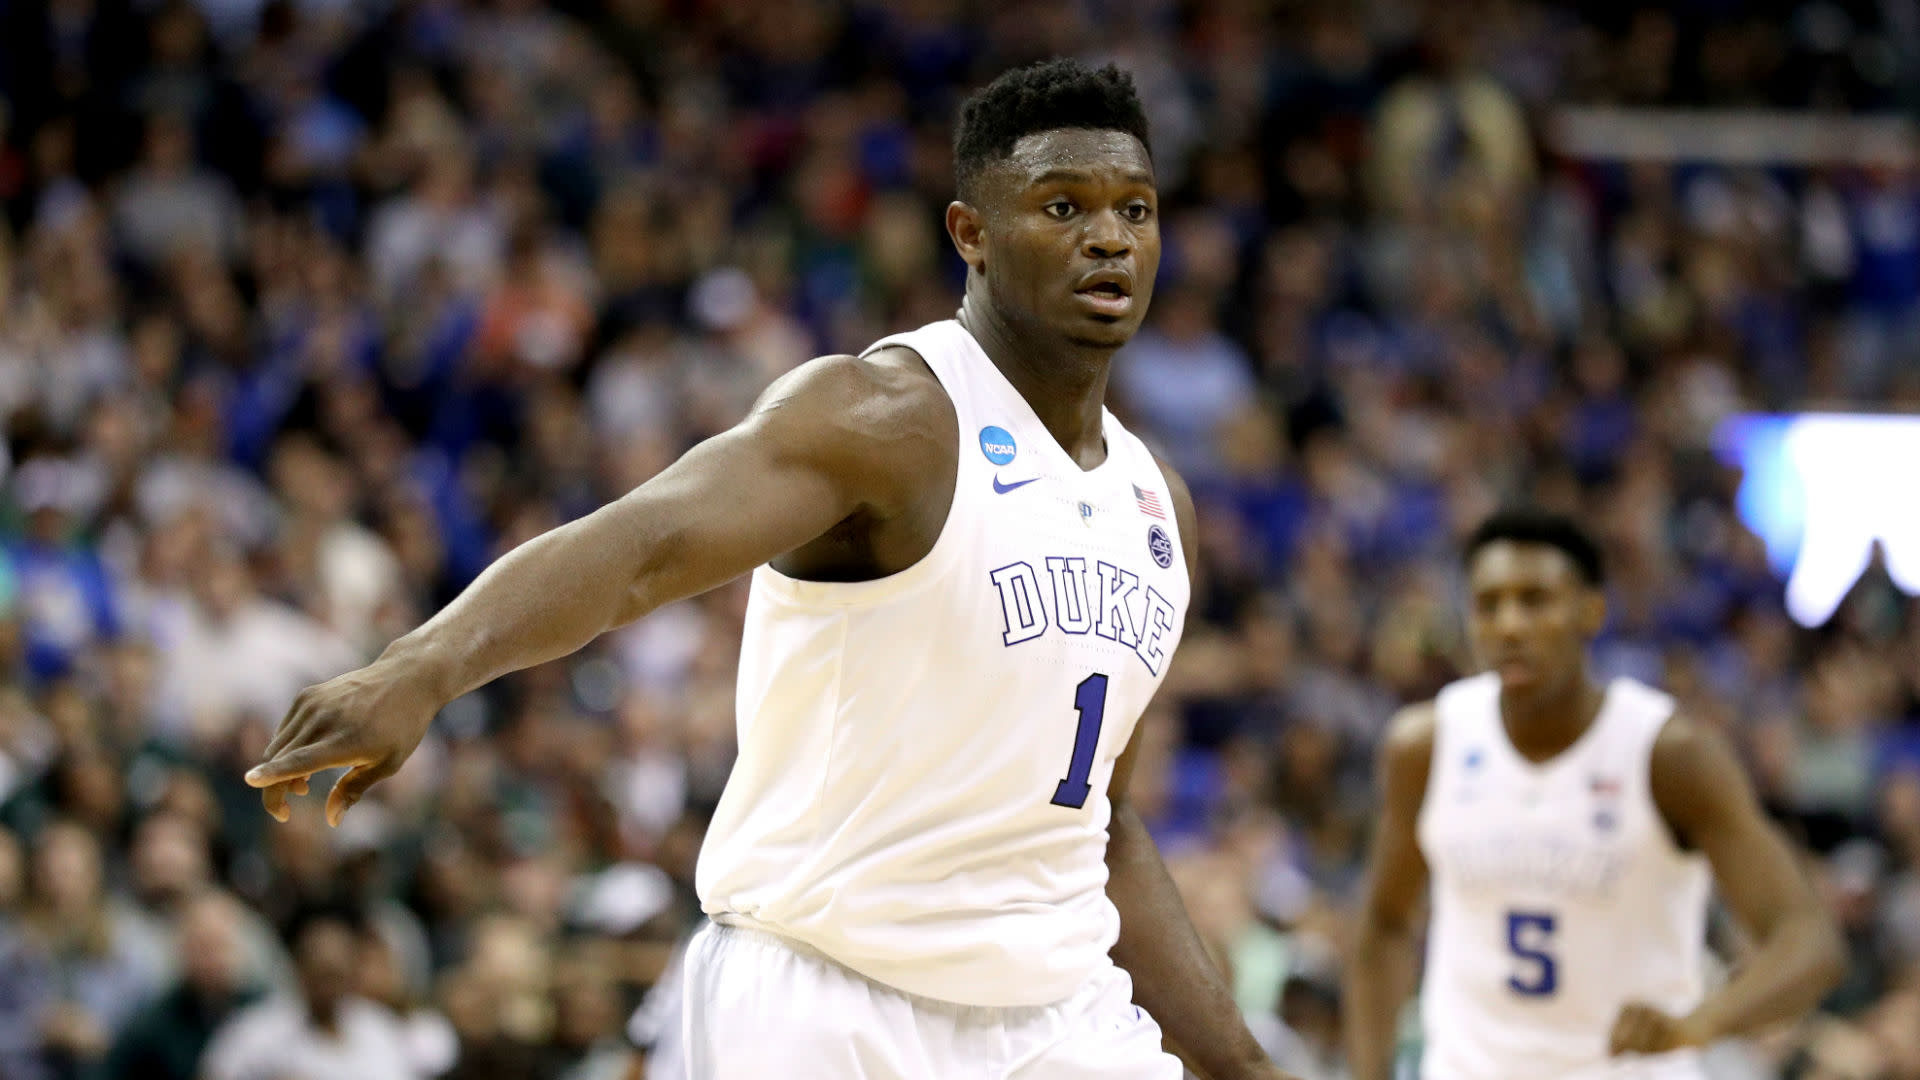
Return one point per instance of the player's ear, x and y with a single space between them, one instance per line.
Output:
968 227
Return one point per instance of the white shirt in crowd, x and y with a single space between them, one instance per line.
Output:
275 1040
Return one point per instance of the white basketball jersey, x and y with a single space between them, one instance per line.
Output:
1559 894
921 787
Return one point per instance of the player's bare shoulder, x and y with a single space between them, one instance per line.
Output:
884 429
1695 778
889 395
1406 753
883 421
1686 754
1409 737
1684 743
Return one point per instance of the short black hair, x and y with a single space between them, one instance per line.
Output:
1045 96
313 912
1531 525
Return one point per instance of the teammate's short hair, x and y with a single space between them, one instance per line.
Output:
1045 96
1529 525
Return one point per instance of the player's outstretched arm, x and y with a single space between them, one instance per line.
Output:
841 438
1381 974
1173 977
1704 796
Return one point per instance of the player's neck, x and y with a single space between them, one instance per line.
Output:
1543 726
1065 385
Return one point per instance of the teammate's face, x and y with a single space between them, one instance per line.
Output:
1530 615
1068 236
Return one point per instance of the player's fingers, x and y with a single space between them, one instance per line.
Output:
1617 1038
1624 1038
1646 1033
1644 1028
274 798
348 789
299 763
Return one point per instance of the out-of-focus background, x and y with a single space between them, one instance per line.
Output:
310 309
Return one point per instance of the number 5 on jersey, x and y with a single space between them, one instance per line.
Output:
1528 935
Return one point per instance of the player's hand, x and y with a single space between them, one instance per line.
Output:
1643 1029
367 721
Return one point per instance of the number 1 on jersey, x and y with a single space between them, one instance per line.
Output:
1090 698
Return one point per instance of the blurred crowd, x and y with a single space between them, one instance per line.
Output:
311 308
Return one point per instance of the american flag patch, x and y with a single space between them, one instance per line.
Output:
1149 503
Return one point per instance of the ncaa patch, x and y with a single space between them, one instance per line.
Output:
997 444
1160 546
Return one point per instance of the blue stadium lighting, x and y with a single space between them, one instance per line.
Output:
1822 490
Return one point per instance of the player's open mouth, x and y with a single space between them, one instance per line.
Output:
1108 293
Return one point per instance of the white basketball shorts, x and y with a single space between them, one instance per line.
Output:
758 1006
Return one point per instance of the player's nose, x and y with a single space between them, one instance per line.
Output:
1510 621
1106 237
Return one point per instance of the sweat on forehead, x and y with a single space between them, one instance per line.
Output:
1062 156
1079 150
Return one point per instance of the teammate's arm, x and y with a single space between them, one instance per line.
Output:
839 439
1173 977
1704 796
1381 974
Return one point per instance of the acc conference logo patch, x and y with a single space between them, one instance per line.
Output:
997 444
1160 546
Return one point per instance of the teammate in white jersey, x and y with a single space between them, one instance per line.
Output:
968 580
1572 833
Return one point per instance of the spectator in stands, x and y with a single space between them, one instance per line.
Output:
170 203
72 968
166 1039
65 594
323 1032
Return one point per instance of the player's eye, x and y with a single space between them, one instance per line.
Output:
1060 208
1138 212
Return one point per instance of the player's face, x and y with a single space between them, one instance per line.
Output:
1072 238
1530 615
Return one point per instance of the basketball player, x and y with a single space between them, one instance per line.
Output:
968 580
1573 833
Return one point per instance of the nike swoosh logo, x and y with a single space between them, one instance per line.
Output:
1001 489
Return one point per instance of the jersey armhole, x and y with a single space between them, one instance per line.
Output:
850 594
1435 757
1180 539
